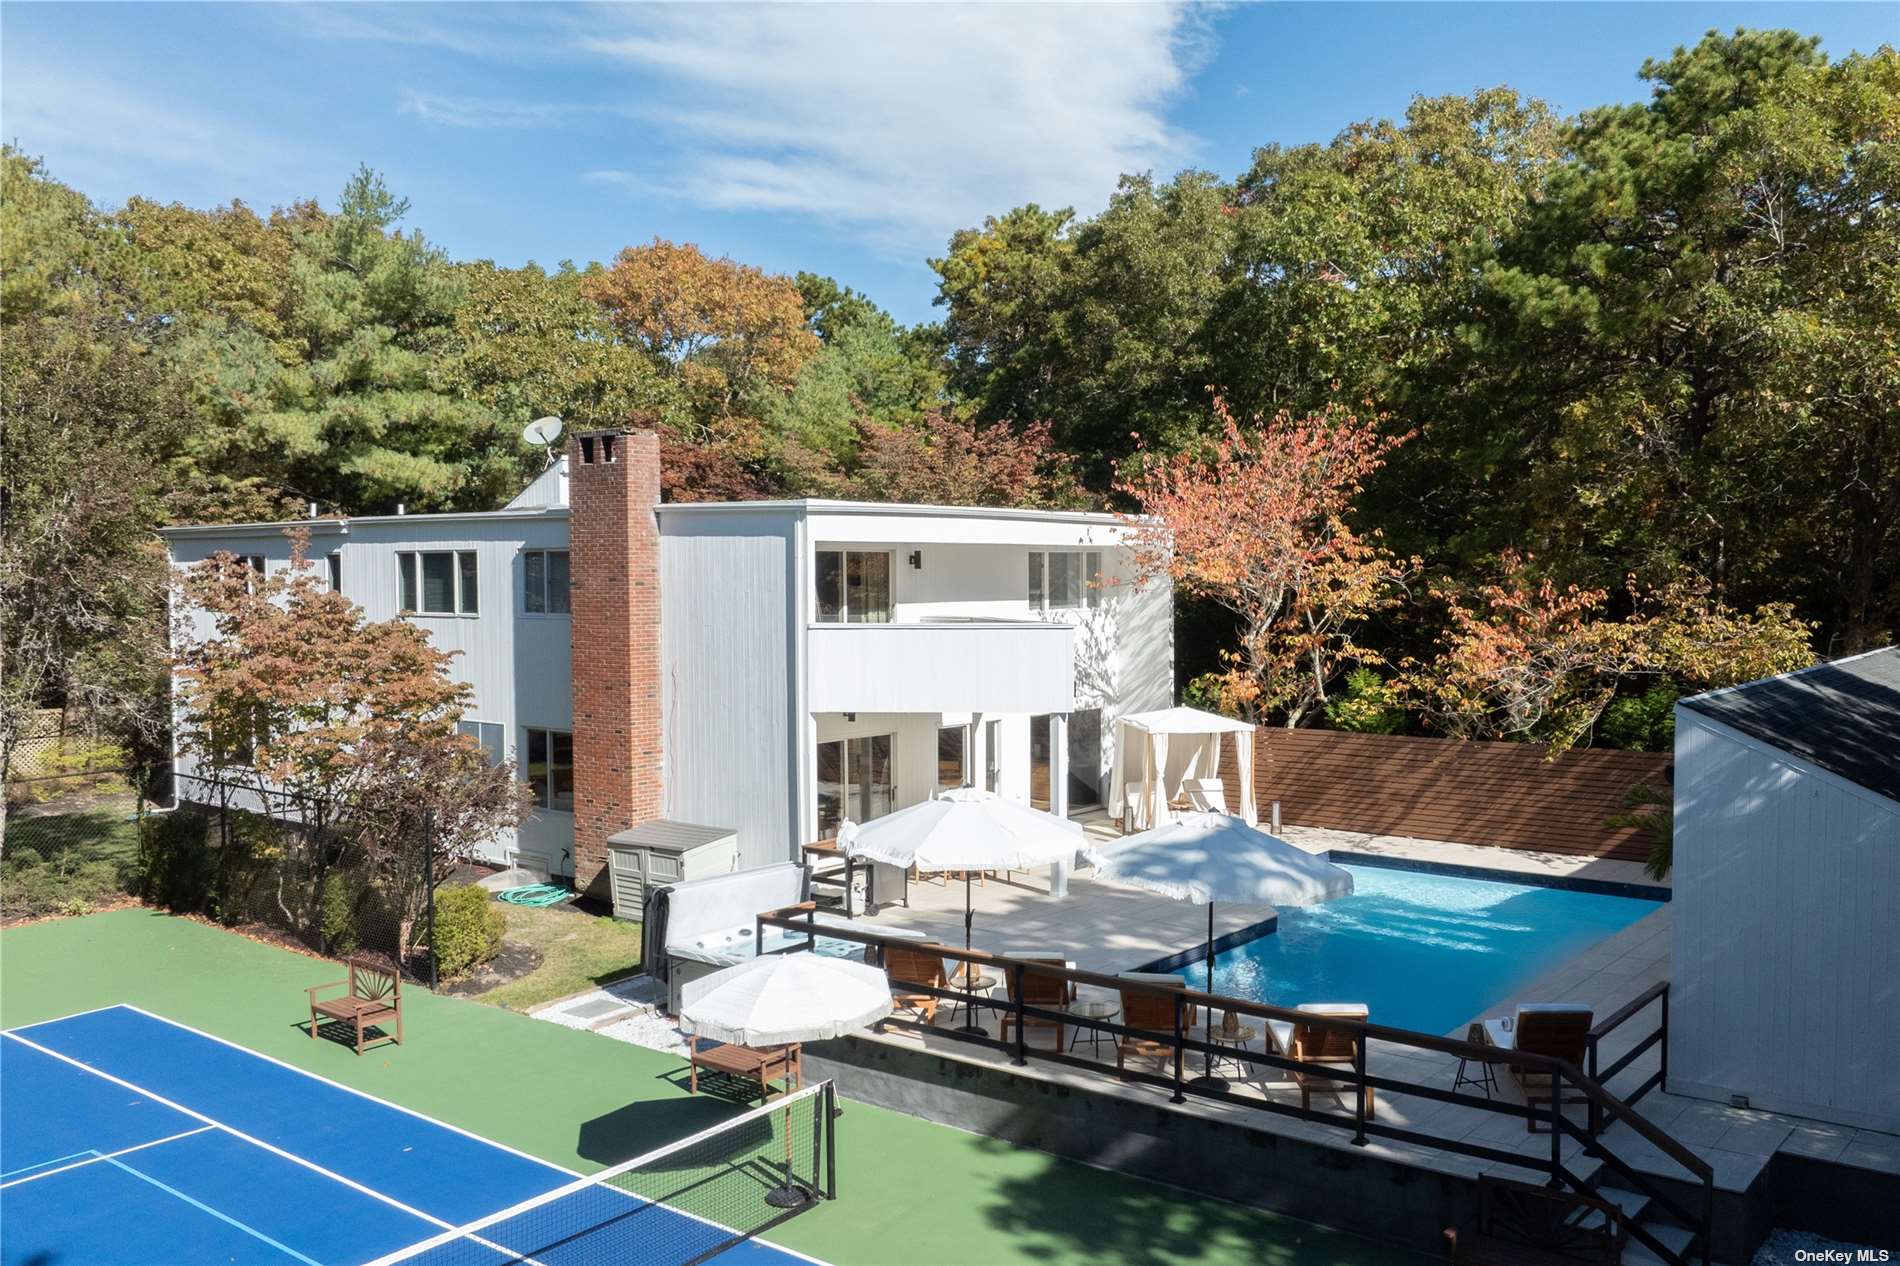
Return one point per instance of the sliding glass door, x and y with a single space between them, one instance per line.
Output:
855 781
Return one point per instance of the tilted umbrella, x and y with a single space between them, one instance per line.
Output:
784 998
968 830
1211 857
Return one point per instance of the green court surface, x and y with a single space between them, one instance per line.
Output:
910 1192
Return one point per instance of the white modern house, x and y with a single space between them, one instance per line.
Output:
768 667
1785 954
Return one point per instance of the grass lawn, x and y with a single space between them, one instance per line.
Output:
909 1191
577 952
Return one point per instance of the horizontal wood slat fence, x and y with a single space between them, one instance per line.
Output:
1468 792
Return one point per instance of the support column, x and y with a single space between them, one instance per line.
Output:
1059 792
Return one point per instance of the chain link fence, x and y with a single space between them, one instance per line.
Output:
71 827
244 857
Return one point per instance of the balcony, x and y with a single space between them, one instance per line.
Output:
942 665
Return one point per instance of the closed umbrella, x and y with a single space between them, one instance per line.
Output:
1211 857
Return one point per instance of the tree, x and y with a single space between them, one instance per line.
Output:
86 417
1259 525
285 691
1707 293
945 460
1525 657
724 330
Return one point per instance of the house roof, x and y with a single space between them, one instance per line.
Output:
1843 717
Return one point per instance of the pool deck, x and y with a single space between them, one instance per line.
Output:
1107 928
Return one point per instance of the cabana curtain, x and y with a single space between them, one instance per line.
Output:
1157 752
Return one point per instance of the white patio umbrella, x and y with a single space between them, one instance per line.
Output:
1211 857
785 998
965 829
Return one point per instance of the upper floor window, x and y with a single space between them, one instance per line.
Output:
544 582
438 582
336 571
486 733
254 567
1064 579
854 586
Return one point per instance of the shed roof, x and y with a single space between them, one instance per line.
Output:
1843 717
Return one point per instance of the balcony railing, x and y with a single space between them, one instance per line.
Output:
944 664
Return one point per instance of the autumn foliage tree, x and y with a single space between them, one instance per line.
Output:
1525 657
336 723
1259 525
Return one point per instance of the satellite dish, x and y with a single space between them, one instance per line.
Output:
543 431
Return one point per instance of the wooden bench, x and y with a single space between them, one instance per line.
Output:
372 995
767 1064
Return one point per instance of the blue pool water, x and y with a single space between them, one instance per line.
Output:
1424 951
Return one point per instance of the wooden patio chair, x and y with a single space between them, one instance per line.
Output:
907 965
1521 1224
1327 1045
1560 1030
1151 1010
1040 989
372 996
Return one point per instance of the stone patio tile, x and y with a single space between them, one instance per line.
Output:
1870 1149
1818 1140
1755 1138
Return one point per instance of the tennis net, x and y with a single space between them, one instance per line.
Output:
679 1205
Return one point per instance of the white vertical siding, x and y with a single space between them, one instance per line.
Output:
1785 957
727 676
515 664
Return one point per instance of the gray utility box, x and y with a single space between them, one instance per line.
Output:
657 853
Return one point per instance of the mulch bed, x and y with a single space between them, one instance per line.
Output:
512 963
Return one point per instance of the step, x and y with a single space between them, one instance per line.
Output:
1675 1237
1630 1203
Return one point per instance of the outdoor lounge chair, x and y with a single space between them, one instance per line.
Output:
1208 795
1328 1045
906 966
1040 989
1560 1030
372 995
1151 1011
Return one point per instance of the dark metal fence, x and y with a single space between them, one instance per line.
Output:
1183 1050
245 855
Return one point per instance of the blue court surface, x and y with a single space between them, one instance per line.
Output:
127 1138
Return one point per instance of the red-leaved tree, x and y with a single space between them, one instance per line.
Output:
1259 525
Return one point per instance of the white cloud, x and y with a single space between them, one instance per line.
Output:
906 121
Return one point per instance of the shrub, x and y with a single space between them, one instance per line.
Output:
1641 723
468 929
340 908
31 886
1368 705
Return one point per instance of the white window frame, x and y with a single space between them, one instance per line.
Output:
409 582
845 614
482 732
546 588
1040 570
544 800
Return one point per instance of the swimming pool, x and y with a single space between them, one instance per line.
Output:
1423 950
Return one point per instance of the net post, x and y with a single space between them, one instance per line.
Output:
830 1108
428 891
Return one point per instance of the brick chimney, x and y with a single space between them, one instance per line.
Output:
614 547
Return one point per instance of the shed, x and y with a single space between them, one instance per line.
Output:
665 852
1785 954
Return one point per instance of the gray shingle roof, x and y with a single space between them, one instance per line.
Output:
1843 717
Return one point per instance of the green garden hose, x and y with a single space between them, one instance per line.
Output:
535 895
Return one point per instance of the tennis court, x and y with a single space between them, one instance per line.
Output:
128 1138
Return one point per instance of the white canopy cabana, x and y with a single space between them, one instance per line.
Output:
1157 753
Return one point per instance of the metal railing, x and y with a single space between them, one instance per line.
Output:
1352 1081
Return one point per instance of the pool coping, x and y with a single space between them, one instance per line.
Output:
1658 893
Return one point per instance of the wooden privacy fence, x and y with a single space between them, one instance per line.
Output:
1466 791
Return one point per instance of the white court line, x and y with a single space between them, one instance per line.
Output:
351 1183
364 1094
110 1006
96 1157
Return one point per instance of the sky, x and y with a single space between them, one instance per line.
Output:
842 139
